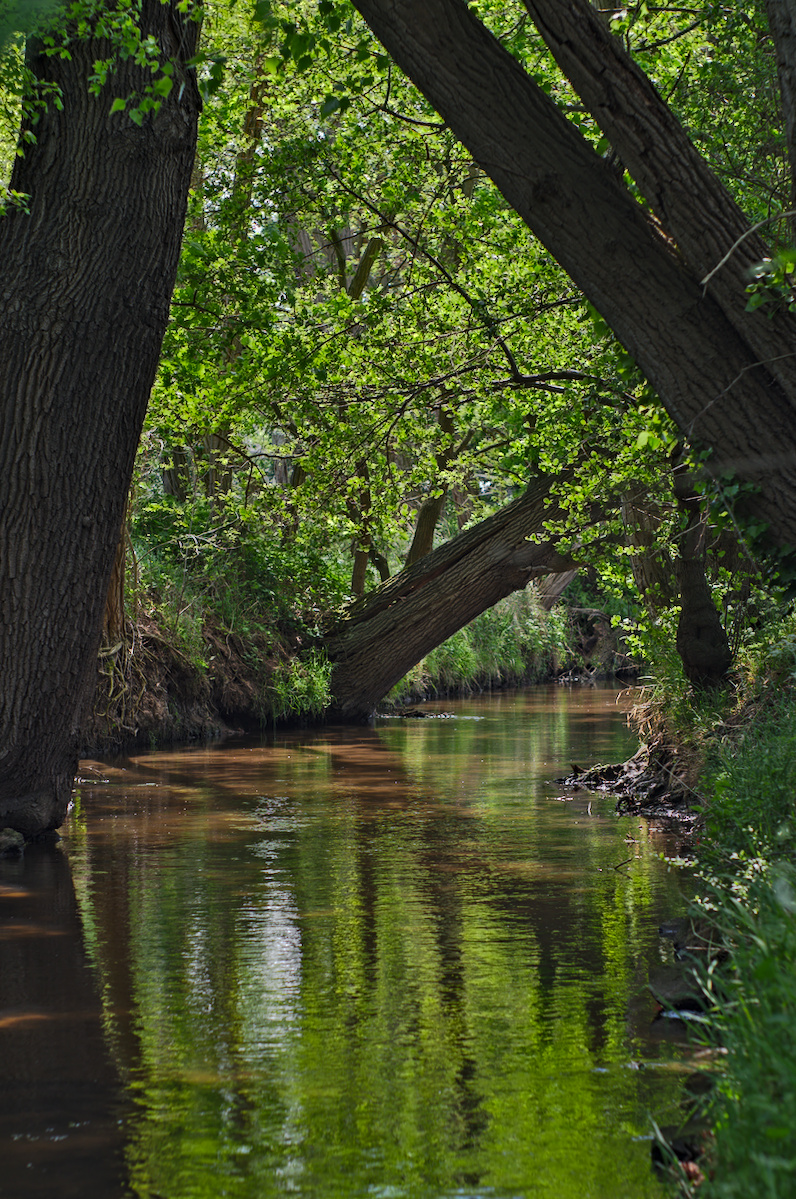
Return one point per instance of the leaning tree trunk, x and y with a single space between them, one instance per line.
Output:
388 632
718 385
86 280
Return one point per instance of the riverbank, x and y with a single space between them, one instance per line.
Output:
169 680
723 766
746 861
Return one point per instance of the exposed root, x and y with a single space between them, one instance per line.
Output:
659 780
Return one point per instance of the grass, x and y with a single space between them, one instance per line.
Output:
514 642
747 860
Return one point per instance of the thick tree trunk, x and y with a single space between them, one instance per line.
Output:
85 287
693 206
551 588
709 376
396 625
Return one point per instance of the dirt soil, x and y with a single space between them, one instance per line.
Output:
151 692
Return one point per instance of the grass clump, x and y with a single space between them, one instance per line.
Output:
300 687
754 1134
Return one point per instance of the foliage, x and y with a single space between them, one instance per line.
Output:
747 860
358 318
750 821
755 1142
515 642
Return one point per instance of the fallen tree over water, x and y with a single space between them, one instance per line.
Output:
385 634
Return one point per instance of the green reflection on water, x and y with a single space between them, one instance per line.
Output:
382 963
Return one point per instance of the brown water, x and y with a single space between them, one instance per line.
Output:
390 962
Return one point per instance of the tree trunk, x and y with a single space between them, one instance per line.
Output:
782 23
433 506
717 387
86 282
113 619
693 206
701 639
550 589
427 520
388 632
653 572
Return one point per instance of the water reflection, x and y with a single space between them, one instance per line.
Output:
392 961
61 1112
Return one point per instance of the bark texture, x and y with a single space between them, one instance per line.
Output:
694 208
85 285
721 390
389 631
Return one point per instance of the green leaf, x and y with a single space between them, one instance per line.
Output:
330 105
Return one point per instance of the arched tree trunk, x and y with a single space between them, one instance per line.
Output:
85 284
552 587
388 632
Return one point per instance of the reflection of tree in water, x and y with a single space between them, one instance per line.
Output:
330 966
61 1097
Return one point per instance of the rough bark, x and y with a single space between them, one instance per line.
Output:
551 588
113 619
396 625
694 208
85 287
707 374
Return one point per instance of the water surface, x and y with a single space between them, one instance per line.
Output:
393 962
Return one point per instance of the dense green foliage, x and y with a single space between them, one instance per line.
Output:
361 327
747 860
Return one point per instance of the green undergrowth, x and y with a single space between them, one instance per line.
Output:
746 859
515 642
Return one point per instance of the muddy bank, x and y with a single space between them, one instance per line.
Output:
660 780
162 685
153 691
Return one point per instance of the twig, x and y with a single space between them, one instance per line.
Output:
781 216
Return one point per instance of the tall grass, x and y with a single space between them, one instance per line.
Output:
748 859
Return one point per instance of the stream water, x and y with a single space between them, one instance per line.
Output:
397 962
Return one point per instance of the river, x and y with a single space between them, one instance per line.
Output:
397 962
